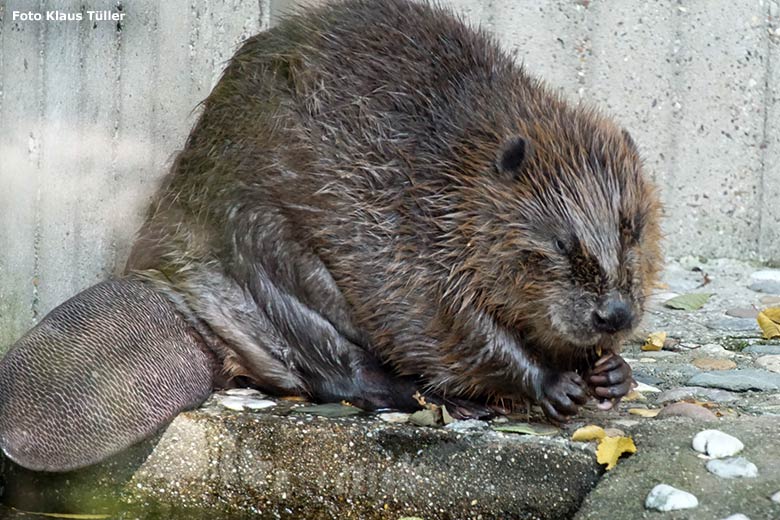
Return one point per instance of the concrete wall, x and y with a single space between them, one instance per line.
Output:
92 112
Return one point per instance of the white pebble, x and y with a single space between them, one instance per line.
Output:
738 516
667 498
716 444
244 392
395 417
641 387
258 404
734 467
776 497
233 403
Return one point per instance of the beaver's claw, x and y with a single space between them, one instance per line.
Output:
563 394
609 380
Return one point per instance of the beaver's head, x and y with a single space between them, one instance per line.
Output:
578 246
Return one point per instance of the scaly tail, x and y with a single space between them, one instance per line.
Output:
102 371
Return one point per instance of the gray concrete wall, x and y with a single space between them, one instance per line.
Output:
91 114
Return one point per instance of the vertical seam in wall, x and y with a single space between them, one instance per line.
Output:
117 119
35 303
78 233
671 163
764 143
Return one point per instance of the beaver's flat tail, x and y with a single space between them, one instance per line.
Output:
102 371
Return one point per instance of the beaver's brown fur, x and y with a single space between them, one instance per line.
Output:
378 198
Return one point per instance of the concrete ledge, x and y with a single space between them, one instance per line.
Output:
214 462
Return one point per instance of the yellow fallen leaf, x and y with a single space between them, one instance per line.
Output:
644 412
590 432
611 448
769 321
654 341
633 395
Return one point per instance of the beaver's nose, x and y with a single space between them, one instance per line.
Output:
613 316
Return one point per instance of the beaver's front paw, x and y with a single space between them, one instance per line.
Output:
609 380
563 394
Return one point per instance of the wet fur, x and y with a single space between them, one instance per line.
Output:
342 202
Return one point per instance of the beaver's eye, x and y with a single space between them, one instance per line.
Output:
560 246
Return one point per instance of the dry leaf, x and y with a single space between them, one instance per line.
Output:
688 302
644 412
611 448
654 341
445 416
769 321
633 395
590 432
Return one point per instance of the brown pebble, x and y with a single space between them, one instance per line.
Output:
706 363
770 362
614 432
769 300
742 312
690 410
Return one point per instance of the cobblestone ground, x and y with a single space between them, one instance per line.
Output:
244 455
715 371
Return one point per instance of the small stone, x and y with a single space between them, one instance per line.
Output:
239 403
766 281
647 360
743 312
716 444
233 403
738 380
734 467
706 363
696 392
732 324
771 362
664 497
642 377
258 404
738 516
245 392
762 349
690 410
395 417
715 350
614 432
776 498
641 387
769 300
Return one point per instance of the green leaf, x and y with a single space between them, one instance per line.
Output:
426 417
527 429
328 410
688 302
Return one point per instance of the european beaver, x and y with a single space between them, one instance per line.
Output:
376 200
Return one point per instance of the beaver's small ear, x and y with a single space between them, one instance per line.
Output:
513 155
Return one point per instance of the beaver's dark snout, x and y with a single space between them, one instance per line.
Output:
614 315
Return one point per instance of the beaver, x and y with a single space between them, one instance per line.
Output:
376 200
